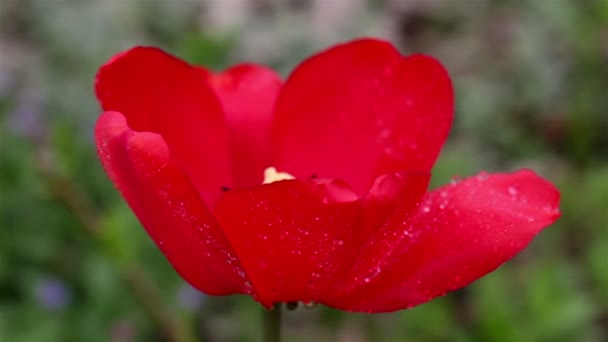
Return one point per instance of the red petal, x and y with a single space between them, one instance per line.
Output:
392 202
360 110
461 232
167 206
160 93
292 237
248 93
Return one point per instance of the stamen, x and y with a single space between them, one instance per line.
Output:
271 175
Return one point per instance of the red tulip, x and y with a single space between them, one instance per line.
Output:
352 133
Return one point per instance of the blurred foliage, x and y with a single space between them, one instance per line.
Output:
531 80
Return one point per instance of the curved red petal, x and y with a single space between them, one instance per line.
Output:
292 237
248 93
392 202
461 232
360 110
168 206
159 93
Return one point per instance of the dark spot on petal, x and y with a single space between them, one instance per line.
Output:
224 188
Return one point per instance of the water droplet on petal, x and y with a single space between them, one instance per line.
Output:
384 133
388 70
482 176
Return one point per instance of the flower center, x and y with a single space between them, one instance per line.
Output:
271 175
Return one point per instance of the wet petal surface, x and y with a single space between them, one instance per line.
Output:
168 206
459 233
292 236
159 93
361 110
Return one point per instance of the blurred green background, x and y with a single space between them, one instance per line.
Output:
531 79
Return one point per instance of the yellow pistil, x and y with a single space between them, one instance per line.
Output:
271 175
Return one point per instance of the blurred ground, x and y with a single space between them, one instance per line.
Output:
531 79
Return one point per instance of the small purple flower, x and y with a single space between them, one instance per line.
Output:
6 83
188 297
26 118
52 294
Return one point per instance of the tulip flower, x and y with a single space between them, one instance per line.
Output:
313 189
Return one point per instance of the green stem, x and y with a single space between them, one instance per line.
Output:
271 320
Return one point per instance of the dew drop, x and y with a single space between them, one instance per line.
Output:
384 133
391 151
512 191
426 209
482 176
338 242
366 280
388 71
